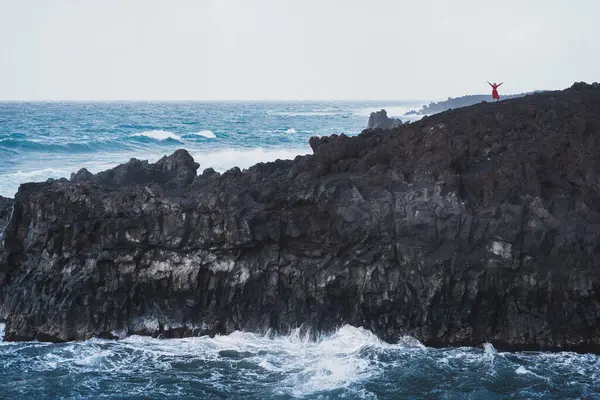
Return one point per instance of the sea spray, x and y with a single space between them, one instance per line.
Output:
350 363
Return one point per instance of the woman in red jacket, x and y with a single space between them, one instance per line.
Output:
495 87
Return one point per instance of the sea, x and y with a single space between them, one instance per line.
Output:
51 140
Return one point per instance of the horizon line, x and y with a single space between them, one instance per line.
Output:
198 100
413 100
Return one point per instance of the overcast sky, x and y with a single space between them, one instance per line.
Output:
292 49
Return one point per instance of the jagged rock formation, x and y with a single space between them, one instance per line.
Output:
380 120
5 208
5 213
476 225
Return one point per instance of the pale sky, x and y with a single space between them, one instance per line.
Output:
292 49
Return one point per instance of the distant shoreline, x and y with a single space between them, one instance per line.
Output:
462 101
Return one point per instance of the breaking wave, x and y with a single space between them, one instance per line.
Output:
350 363
206 134
159 135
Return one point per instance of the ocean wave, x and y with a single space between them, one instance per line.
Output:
58 145
159 135
291 131
11 143
207 134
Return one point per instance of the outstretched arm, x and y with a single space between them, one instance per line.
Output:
490 84
500 83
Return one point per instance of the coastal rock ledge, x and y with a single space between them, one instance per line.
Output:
475 225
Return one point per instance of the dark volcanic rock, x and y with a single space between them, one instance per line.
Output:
476 225
5 214
5 208
379 119
179 169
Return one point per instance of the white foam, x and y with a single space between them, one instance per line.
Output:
332 362
489 358
291 130
489 351
94 359
206 134
222 160
159 135
44 173
306 366
522 370
310 366
2 328
10 181
344 364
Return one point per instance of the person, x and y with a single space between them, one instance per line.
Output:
495 87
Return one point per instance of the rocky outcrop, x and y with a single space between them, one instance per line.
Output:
476 225
380 120
172 172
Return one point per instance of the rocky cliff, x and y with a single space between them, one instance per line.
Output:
475 225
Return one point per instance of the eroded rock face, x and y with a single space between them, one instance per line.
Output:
380 119
476 225
5 215
5 211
